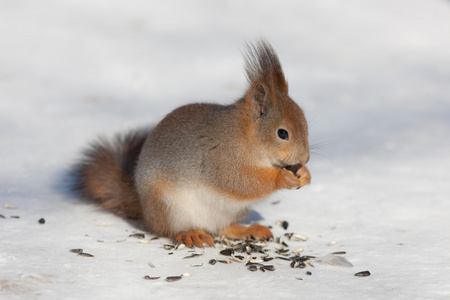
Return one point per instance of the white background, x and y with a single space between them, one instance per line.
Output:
373 78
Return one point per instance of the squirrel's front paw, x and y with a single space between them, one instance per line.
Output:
288 180
194 238
305 176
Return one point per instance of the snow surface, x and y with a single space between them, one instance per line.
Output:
372 76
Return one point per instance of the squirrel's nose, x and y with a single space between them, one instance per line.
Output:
304 158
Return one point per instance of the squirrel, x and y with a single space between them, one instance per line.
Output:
196 173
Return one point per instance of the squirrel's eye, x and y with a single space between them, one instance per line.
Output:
283 134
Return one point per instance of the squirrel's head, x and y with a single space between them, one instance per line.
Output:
279 124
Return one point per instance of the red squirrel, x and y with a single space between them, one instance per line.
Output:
196 174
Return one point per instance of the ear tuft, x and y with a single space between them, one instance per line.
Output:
262 65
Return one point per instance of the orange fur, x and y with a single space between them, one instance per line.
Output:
194 238
254 231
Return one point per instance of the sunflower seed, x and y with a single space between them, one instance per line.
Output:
362 274
227 252
339 253
2 216
41 221
308 273
212 261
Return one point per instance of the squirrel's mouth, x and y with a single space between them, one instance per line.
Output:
292 168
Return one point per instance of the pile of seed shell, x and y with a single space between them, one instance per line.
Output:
256 255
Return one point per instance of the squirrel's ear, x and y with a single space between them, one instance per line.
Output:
259 98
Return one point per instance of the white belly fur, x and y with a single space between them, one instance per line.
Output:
197 206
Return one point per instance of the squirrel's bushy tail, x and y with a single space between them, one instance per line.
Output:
106 171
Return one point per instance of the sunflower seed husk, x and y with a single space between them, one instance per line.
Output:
268 268
282 258
138 235
278 248
298 250
224 261
168 246
9 206
180 247
78 250
85 254
173 278
339 253
151 265
238 258
296 237
2 216
193 255
197 265
212 261
146 277
252 268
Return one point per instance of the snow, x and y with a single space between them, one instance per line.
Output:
372 76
